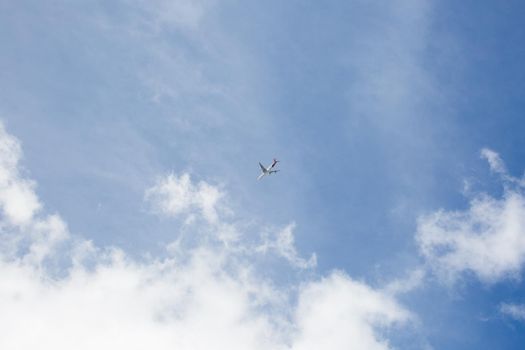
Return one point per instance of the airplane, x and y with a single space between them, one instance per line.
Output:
269 170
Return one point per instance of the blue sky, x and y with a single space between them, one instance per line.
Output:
392 122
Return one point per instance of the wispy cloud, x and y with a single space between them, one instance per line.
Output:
515 311
178 196
495 162
403 285
282 242
498 166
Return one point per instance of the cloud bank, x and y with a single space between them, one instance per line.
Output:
61 291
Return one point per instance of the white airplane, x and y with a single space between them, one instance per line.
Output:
269 170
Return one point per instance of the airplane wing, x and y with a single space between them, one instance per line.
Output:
263 168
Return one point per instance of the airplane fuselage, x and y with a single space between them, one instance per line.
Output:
268 170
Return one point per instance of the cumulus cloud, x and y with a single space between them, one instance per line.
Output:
206 297
17 198
487 239
197 305
23 231
340 313
124 304
515 311
175 195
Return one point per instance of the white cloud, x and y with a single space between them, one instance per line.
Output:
487 239
498 166
123 304
495 162
340 313
206 297
176 195
516 311
282 243
17 198
24 232
196 305
403 285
